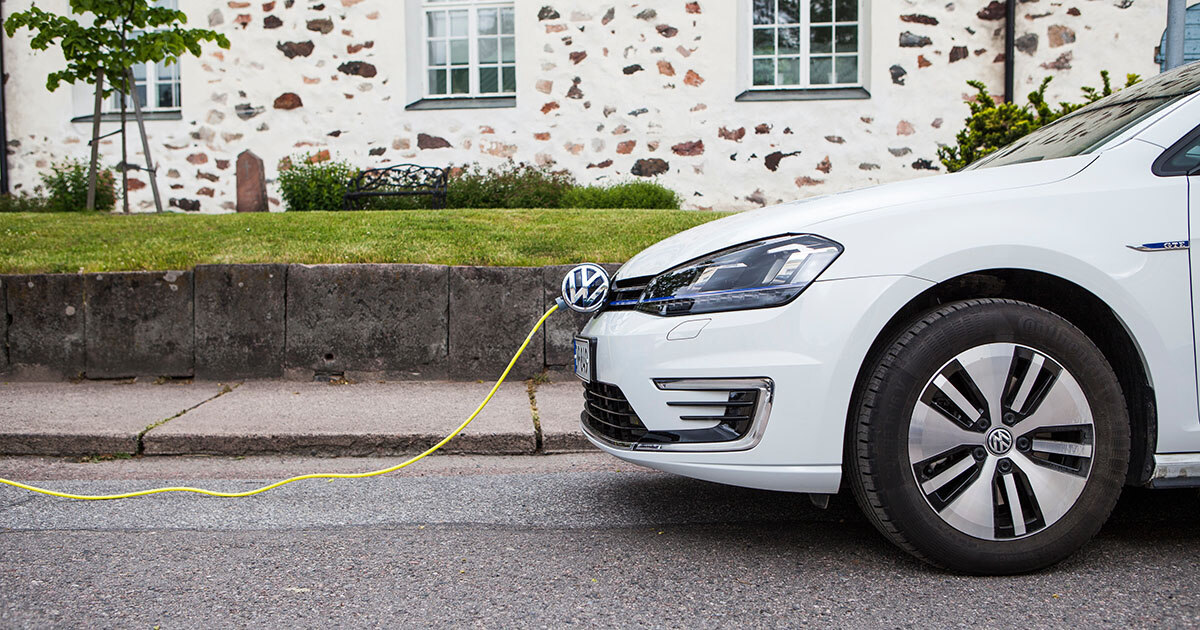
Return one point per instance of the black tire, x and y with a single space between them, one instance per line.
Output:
887 486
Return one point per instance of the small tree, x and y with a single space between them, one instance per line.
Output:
114 36
993 125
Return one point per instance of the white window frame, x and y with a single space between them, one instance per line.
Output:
473 65
747 56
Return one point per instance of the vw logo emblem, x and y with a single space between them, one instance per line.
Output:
999 441
585 288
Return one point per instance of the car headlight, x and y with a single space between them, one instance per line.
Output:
765 273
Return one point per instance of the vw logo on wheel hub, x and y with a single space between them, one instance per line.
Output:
1000 441
585 288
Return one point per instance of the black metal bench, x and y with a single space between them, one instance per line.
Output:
401 180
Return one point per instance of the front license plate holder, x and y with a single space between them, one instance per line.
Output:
585 359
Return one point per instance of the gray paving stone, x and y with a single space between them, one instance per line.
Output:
45 325
263 417
559 405
387 319
492 310
240 321
139 324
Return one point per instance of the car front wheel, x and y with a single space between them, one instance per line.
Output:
991 437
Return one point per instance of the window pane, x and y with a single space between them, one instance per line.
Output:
166 95
764 72
489 80
764 11
847 69
460 81
510 78
437 53
789 41
488 52
820 70
458 24
819 39
139 72
167 73
506 21
460 52
847 10
437 23
789 71
789 11
508 49
437 81
487 22
140 91
847 39
821 11
764 41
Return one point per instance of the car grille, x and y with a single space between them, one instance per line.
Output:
607 412
624 294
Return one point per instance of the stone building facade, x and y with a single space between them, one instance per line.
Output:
673 89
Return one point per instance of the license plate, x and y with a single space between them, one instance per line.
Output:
585 356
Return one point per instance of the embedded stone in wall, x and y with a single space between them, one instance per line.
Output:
897 74
922 62
904 128
923 164
323 26
867 166
426 141
666 30
359 68
649 167
215 18
548 13
271 21
251 183
647 14
825 166
695 147
1027 43
692 7
735 135
804 181
295 49
666 69
187 205
958 53
377 151
608 16
917 18
288 100
1063 62
693 79
577 56
632 69
197 158
900 151
993 11
835 139
912 40
246 111
626 147
1059 35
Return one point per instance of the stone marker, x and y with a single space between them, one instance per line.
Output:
251 183
239 321
45 324
491 311
139 324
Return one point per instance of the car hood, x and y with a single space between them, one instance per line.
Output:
805 215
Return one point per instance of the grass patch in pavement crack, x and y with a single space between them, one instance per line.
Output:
141 444
531 386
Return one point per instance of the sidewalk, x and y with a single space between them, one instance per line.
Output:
282 417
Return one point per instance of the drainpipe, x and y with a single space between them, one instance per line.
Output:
1175 28
3 125
1010 34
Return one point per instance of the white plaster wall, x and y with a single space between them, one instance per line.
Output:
829 145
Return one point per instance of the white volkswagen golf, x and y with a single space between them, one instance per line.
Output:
985 358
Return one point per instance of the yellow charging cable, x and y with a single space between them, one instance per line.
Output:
376 473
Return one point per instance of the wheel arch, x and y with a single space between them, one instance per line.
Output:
1066 299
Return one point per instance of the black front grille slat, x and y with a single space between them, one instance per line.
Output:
712 403
626 290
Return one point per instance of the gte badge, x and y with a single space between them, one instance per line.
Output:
585 288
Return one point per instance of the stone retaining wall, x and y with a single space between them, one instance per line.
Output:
277 320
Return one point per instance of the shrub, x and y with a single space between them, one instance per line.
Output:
67 183
648 195
306 185
508 186
993 125
23 203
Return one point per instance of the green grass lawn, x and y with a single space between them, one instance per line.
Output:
75 242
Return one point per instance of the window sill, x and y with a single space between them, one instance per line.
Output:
463 102
170 114
805 94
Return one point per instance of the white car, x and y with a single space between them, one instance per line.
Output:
985 358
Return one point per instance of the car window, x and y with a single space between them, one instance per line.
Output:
1186 160
1093 126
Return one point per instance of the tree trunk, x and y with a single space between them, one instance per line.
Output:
141 122
94 164
124 156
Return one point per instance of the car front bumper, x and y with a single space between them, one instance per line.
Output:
806 354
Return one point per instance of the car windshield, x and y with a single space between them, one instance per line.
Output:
1089 128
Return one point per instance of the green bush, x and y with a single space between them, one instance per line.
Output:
993 125
507 186
24 203
308 186
67 183
647 195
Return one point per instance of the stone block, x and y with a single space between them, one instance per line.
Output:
251 183
491 312
3 329
240 320
139 324
388 319
562 327
45 325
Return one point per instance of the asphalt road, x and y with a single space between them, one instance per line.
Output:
555 541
